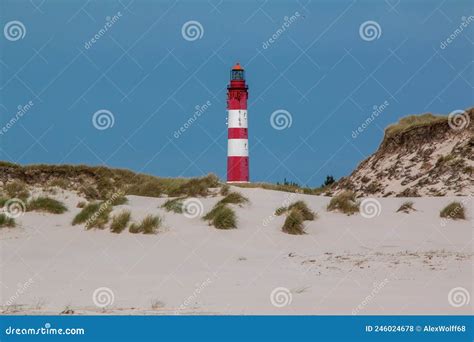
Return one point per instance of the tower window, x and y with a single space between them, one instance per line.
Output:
237 75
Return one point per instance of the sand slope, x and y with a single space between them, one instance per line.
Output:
394 263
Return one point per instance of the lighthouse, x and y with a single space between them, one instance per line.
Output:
237 126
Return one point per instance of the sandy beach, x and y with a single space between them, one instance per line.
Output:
393 263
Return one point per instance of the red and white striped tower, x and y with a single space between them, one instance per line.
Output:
238 143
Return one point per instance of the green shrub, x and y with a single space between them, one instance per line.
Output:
234 198
280 211
344 202
94 215
454 210
90 192
406 207
60 183
294 223
120 200
149 189
224 218
175 205
149 225
212 213
3 200
221 217
6 221
225 189
308 214
46 204
17 189
120 221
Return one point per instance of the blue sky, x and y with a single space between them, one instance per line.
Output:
321 69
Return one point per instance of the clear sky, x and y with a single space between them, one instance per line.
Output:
150 73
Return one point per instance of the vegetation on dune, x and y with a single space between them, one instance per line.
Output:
288 186
225 189
175 205
120 221
234 198
297 213
6 221
280 211
100 183
119 200
454 211
406 207
149 225
17 189
345 202
210 215
225 218
221 217
294 223
3 200
308 214
46 204
412 121
94 215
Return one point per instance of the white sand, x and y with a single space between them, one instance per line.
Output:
395 263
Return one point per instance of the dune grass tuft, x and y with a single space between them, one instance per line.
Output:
210 215
406 207
149 225
94 215
234 198
6 221
120 221
46 204
225 189
412 121
294 223
17 189
224 218
175 205
345 202
221 217
120 200
454 210
308 214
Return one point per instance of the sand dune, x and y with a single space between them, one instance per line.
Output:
394 263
